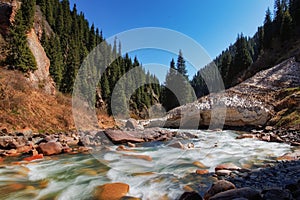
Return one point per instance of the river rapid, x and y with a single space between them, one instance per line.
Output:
158 172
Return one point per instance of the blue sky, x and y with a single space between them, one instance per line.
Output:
214 24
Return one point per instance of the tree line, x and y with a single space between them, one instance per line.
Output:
67 45
249 55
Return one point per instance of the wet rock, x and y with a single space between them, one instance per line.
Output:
277 194
247 193
122 148
111 191
35 157
223 172
245 136
24 149
202 171
177 145
131 145
199 164
50 148
142 157
218 187
227 166
190 196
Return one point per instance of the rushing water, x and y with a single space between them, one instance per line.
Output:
75 176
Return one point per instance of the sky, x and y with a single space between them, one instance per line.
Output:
213 24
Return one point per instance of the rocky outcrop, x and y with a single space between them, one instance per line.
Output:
250 103
40 78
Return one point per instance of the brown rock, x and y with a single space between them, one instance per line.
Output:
111 191
245 136
202 171
119 137
218 187
247 193
122 148
177 145
50 148
131 144
199 164
143 157
35 157
223 172
24 149
227 166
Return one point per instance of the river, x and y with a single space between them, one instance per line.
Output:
164 176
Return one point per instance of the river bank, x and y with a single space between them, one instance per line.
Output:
164 162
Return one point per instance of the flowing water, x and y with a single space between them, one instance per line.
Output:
162 177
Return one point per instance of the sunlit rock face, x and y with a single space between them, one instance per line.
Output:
247 104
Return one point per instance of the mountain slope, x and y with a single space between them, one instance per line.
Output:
252 103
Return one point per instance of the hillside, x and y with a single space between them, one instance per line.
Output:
271 97
23 106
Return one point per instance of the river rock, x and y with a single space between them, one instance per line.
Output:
35 157
247 193
277 194
177 145
111 191
227 166
120 137
50 148
219 186
202 171
223 172
190 196
132 124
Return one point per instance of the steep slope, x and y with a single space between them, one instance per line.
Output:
251 103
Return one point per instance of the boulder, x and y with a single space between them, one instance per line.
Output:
50 148
247 193
177 145
218 187
111 191
190 196
120 137
132 124
227 166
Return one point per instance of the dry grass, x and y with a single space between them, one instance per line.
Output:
22 106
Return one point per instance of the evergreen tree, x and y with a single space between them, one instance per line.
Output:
28 11
181 68
20 57
268 31
286 26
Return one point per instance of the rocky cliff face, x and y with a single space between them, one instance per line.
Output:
250 103
40 78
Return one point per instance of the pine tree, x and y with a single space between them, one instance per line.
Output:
28 11
20 57
169 99
286 26
181 68
268 30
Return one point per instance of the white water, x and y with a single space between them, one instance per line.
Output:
76 176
